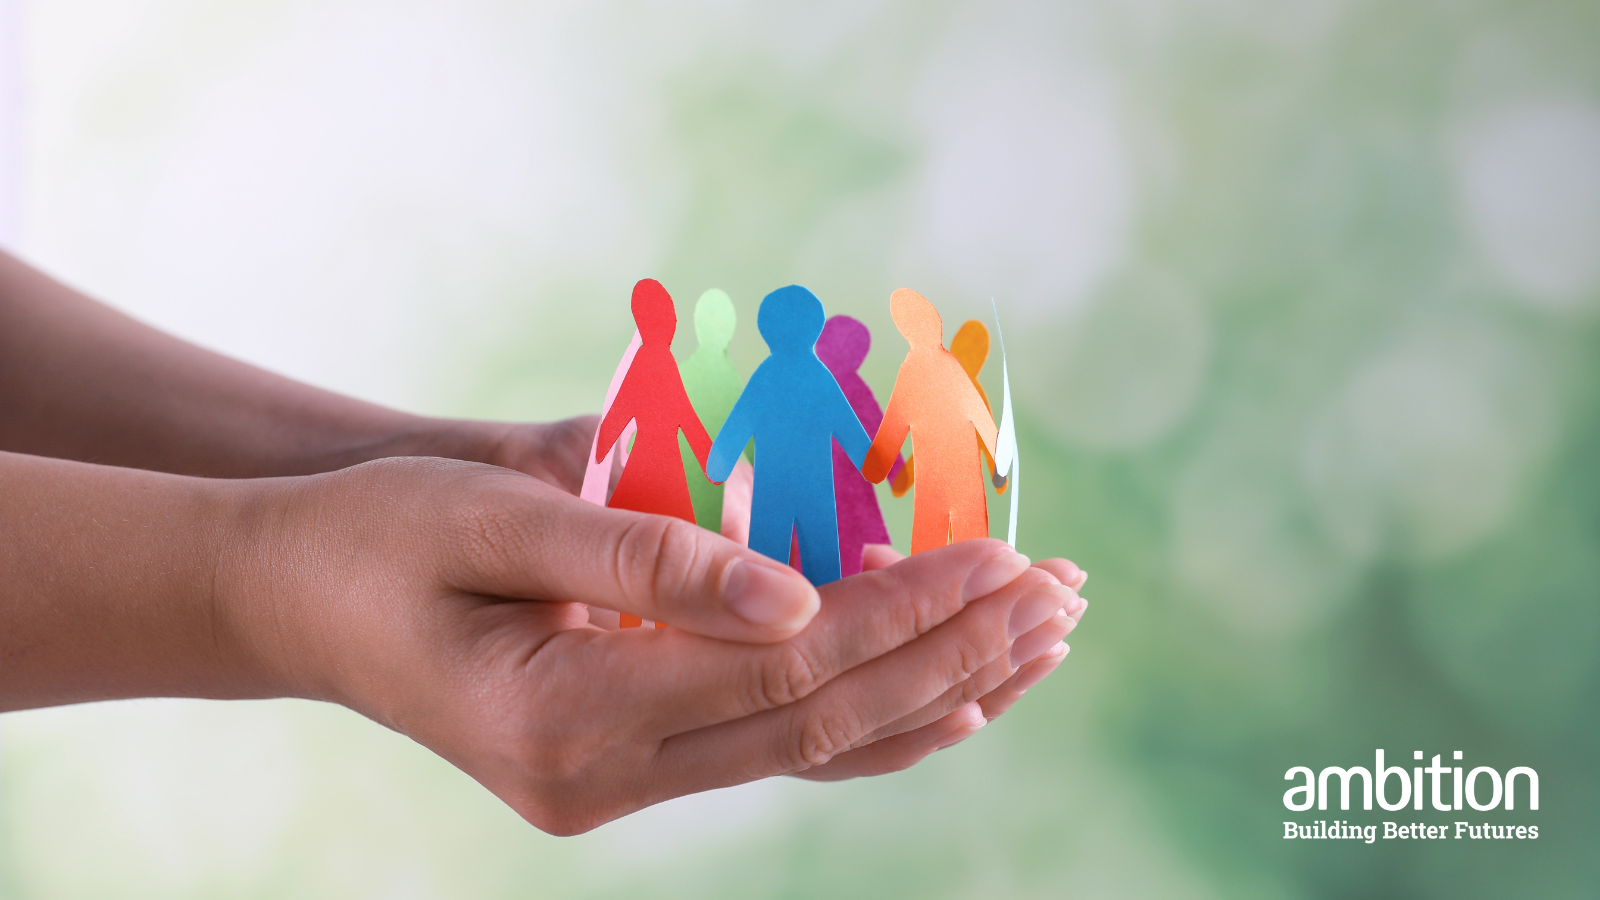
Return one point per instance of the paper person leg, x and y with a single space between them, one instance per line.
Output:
770 526
930 526
860 519
969 515
818 533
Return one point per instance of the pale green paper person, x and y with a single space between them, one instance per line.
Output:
713 385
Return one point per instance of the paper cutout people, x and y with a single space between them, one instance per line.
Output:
842 348
597 472
794 409
1006 462
652 396
713 385
934 401
971 346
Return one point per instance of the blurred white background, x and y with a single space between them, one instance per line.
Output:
419 204
1304 300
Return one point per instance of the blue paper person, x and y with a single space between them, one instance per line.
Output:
794 409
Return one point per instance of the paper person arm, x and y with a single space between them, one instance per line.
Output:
901 482
617 419
735 433
872 420
886 445
695 431
985 425
848 431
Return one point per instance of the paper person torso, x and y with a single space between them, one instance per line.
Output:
794 409
652 396
712 384
842 348
934 401
970 347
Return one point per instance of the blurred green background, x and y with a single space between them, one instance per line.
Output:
1301 300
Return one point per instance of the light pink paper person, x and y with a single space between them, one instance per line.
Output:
597 475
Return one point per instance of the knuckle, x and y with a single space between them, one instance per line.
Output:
576 432
972 690
916 610
786 674
658 556
825 733
964 659
489 533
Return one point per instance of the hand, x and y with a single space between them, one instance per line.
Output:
553 452
556 453
445 600
906 748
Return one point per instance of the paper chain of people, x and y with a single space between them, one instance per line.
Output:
808 412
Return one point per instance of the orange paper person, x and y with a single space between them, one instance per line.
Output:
971 347
652 394
935 402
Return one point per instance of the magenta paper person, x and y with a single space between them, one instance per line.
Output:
842 348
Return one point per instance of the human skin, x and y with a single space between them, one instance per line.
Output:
469 604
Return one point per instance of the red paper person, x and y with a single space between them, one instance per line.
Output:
652 395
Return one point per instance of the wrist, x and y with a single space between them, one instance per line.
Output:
257 607
112 586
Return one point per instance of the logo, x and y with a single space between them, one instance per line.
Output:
1482 788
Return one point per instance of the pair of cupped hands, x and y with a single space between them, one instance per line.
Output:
475 607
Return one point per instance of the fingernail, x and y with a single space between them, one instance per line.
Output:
1034 610
1083 577
1076 605
1034 644
993 575
763 595
1041 668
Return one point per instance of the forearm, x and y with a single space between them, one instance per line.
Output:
106 586
79 380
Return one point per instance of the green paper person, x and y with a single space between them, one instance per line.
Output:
713 385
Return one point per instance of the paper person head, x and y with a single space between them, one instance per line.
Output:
844 344
790 320
653 312
916 318
714 320
971 346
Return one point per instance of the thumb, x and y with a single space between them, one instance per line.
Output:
528 540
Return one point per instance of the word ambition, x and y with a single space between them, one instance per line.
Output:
1480 780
